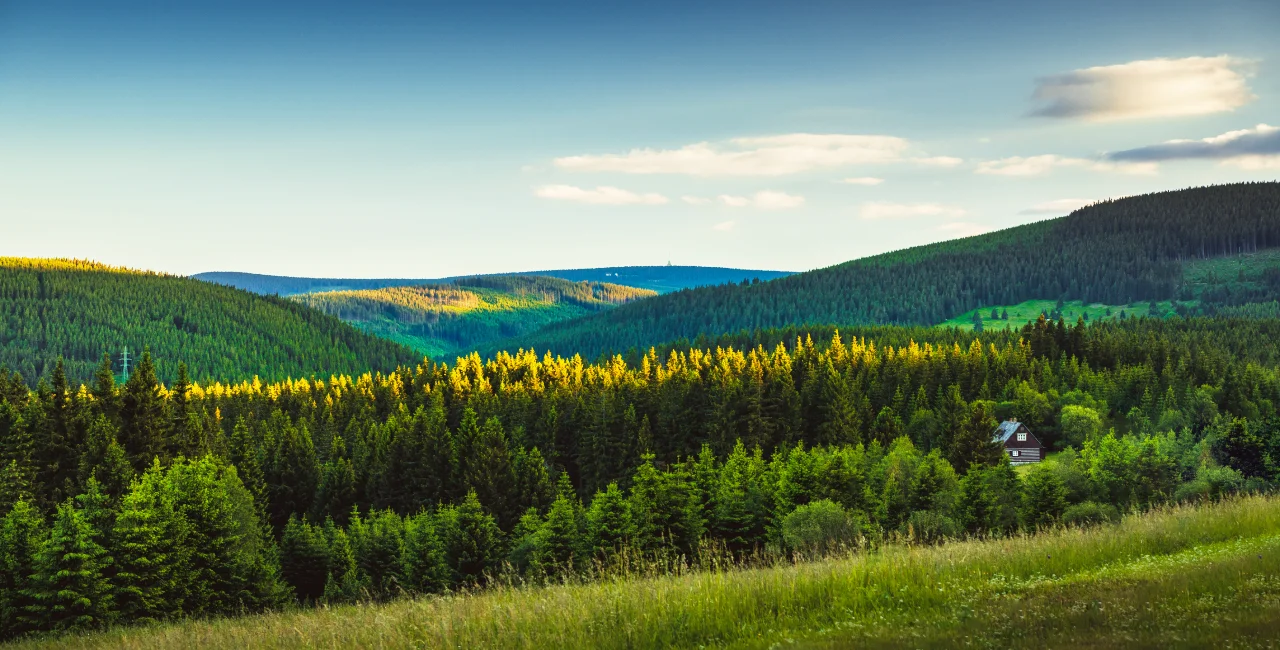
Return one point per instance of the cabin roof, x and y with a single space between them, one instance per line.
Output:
1006 430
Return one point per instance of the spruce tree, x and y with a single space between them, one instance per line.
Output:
472 540
1044 498
152 551
22 535
426 567
142 417
68 588
304 559
973 443
608 522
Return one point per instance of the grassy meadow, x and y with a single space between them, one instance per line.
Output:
1027 312
1189 576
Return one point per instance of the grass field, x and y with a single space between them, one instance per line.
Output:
1184 577
1027 312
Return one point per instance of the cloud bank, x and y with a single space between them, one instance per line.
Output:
1145 89
1256 148
776 155
1059 206
603 195
886 210
763 200
863 180
1040 165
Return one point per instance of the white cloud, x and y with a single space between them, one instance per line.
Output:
776 155
1059 206
1256 148
862 180
763 200
938 161
1149 88
724 226
603 195
770 200
963 229
885 210
695 200
1040 165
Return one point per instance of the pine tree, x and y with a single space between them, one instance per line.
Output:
973 444
151 549
609 526
378 544
304 556
142 418
68 588
105 461
472 540
22 535
426 567
1044 498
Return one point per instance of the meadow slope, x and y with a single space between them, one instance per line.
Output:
1179 577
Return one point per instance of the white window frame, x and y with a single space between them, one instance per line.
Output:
1013 452
1022 437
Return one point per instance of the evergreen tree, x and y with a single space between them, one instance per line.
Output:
22 536
426 566
142 417
68 589
1043 500
152 550
973 443
608 521
472 541
304 559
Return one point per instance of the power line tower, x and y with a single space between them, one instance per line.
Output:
124 364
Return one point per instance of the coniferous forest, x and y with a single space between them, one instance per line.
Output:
1114 252
80 311
150 501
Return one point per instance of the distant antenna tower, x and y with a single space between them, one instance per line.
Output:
124 363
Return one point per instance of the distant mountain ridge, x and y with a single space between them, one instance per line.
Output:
662 279
1113 252
453 317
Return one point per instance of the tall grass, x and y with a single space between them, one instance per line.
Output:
738 607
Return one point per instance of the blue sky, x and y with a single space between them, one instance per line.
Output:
431 139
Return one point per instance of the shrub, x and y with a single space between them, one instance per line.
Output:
819 526
931 527
1089 513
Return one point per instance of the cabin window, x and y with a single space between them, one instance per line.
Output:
1013 453
1022 437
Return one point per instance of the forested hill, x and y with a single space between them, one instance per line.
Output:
1114 252
440 320
80 310
661 279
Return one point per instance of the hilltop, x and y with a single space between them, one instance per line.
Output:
662 279
1154 247
450 318
79 310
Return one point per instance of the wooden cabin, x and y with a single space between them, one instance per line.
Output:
1019 443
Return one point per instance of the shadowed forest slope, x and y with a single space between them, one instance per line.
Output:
80 310
1113 252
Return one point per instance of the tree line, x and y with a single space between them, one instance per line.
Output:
147 501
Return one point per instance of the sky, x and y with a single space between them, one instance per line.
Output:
431 139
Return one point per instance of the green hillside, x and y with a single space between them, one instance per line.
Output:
79 310
1118 252
443 319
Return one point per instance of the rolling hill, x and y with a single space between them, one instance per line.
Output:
79 310
662 279
1159 247
448 318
